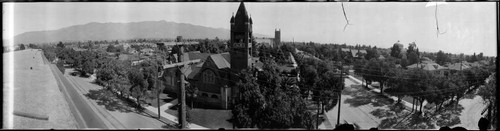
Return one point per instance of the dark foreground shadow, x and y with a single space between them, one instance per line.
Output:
109 100
364 97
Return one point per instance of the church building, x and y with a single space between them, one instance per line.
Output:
214 75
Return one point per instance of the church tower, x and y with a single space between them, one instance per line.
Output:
241 40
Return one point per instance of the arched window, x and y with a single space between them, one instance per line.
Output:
215 97
209 76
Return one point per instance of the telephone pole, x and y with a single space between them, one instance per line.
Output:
182 119
182 113
157 91
340 90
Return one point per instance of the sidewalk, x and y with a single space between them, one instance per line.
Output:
165 116
407 104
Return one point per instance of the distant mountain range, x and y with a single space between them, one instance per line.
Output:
123 31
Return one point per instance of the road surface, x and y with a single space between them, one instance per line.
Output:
352 114
85 116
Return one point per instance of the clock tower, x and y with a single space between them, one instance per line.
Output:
241 40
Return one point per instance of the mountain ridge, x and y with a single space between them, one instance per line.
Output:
123 31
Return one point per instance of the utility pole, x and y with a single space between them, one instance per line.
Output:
182 119
158 91
317 115
339 92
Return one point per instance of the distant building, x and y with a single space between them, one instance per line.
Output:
353 53
270 42
147 51
430 66
277 37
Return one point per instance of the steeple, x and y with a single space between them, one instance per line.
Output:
251 19
232 18
241 14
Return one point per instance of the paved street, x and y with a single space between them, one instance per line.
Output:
352 114
472 112
116 112
83 112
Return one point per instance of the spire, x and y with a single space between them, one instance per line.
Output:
241 14
251 19
232 18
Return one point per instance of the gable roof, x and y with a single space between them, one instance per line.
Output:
427 66
345 50
220 61
458 66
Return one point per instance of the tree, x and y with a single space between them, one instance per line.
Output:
412 58
60 45
329 83
22 47
378 70
33 46
441 58
246 112
270 101
111 48
309 76
395 51
397 83
371 53
488 93
139 85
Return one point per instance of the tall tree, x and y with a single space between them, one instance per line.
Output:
441 58
395 51
378 70
412 58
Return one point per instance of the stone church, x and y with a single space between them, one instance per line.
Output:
214 75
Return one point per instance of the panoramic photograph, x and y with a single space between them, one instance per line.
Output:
250 65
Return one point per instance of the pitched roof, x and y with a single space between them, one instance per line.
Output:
427 66
220 61
190 71
226 56
458 66
195 70
345 49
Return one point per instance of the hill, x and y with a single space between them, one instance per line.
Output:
122 31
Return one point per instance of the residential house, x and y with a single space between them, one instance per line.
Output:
147 51
430 66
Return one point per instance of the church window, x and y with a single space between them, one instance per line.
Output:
209 76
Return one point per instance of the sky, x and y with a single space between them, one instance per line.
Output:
467 27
